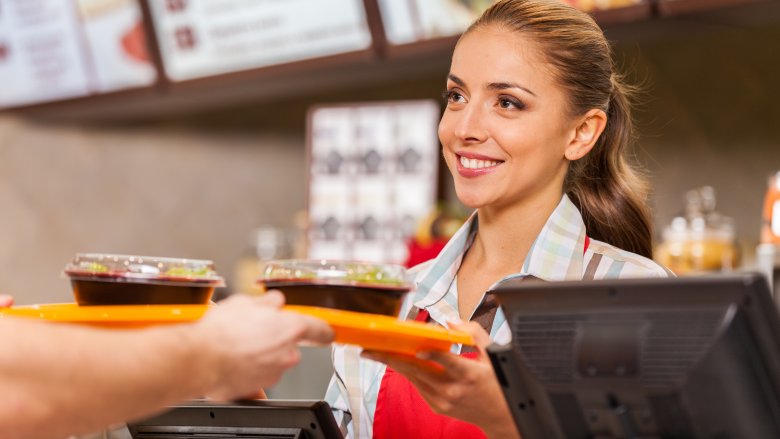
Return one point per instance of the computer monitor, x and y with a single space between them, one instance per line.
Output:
691 357
253 419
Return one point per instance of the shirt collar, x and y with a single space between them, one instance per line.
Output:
435 281
556 254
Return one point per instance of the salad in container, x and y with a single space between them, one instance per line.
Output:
344 285
108 279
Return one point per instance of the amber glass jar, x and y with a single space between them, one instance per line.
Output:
701 240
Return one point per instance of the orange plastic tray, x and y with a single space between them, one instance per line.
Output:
109 315
371 331
383 333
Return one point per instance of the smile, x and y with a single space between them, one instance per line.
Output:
478 164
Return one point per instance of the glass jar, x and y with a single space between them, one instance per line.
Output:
700 241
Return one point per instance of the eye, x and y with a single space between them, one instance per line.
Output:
453 97
509 103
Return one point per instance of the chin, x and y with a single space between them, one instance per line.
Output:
470 199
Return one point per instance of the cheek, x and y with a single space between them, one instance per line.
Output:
445 138
537 139
444 131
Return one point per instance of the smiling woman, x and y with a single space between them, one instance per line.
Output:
520 129
535 134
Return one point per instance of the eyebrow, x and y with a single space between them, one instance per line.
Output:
493 85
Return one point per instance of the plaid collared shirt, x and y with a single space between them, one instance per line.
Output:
557 254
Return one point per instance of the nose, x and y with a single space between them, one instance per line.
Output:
469 125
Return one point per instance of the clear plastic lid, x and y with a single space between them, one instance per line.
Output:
327 272
149 269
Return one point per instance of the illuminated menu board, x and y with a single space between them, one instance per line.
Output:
412 21
200 38
372 178
114 33
59 49
418 20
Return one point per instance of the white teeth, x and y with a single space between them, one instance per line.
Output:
477 164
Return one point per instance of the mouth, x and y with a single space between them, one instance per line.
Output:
474 165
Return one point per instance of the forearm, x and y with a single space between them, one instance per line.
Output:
505 431
502 426
59 380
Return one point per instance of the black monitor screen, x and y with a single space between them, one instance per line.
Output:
253 419
669 358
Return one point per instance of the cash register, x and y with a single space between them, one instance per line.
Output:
695 357
255 419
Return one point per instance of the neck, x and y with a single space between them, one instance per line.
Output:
506 234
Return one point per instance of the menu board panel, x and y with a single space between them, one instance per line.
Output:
372 178
413 21
200 38
116 44
59 49
41 57
418 20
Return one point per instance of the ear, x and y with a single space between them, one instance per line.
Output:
589 128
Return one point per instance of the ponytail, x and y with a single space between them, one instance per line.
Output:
609 193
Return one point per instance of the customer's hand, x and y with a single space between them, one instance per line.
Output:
6 301
463 388
249 342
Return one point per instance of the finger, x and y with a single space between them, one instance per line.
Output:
395 358
6 301
273 298
427 382
410 366
451 321
384 355
315 330
236 298
453 365
481 338
260 394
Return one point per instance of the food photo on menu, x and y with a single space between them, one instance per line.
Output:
389 219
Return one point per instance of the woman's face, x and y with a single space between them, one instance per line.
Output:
505 129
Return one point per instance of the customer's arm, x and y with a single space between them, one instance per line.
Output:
57 380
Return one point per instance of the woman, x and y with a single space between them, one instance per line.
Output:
535 132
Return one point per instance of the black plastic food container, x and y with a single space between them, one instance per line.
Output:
105 279
349 286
